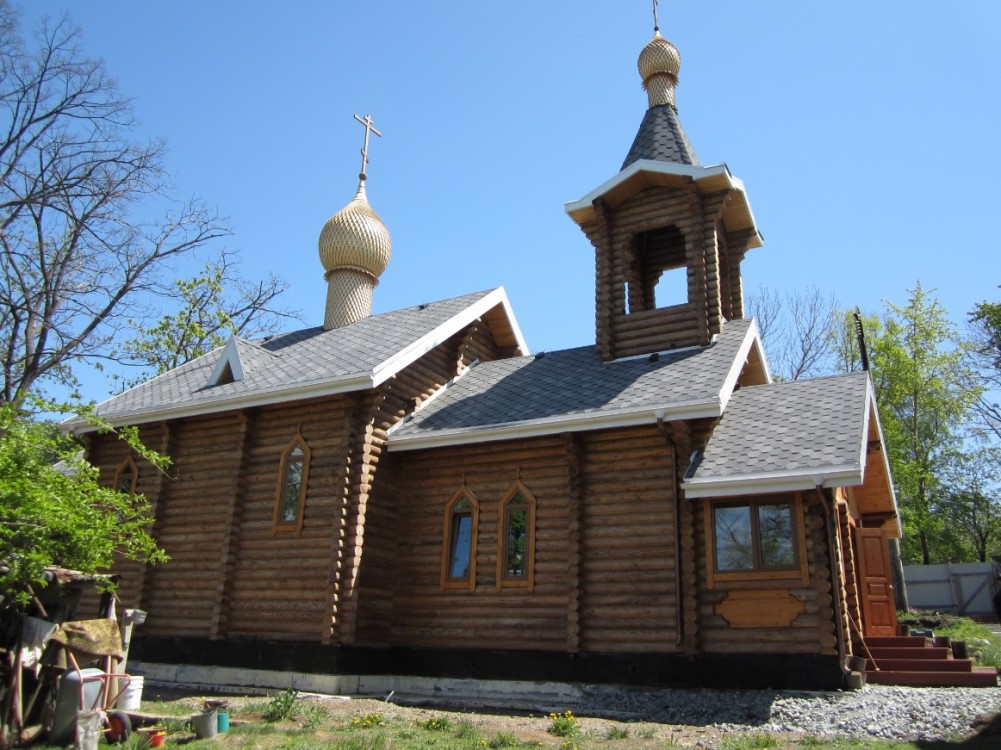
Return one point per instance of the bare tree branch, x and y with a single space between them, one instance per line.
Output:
76 261
796 330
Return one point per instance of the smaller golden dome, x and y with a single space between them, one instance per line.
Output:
356 238
659 56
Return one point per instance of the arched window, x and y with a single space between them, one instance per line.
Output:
290 497
127 476
516 541
458 559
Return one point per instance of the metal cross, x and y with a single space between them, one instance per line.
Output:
369 128
656 25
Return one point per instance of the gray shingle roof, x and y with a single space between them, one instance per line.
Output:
792 428
576 384
661 138
289 362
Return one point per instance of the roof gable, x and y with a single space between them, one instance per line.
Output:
310 362
229 368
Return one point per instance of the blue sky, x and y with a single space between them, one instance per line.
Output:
866 134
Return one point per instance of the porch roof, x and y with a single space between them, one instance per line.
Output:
798 435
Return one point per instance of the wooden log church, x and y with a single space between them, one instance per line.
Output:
414 493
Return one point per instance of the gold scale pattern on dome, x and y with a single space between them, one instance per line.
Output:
355 238
659 64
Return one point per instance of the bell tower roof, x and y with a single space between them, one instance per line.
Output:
661 136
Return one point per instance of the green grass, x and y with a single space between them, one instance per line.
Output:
756 741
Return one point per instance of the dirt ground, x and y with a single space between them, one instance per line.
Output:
527 728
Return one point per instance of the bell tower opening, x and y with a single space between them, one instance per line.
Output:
658 270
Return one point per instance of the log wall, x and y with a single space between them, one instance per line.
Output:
628 566
231 574
367 604
604 555
770 616
711 255
512 618
276 581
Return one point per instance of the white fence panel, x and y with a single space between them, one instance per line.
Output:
962 588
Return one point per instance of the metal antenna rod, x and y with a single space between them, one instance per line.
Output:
656 24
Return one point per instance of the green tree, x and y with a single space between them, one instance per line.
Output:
925 390
985 324
53 511
843 338
213 305
973 504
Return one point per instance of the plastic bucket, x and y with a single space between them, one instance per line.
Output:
156 736
205 725
223 724
88 729
132 695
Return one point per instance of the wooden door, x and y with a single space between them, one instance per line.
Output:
879 610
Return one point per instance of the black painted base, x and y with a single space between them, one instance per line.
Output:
776 671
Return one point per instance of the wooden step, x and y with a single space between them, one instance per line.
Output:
897 641
979 677
928 652
921 665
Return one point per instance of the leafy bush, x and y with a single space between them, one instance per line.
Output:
437 724
564 724
368 721
55 511
283 706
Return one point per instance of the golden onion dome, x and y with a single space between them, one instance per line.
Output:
659 56
355 237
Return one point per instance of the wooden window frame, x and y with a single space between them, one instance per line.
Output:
467 582
128 465
526 581
277 525
798 573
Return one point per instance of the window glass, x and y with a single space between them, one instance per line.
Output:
126 481
734 539
290 492
754 535
461 542
292 488
776 538
517 536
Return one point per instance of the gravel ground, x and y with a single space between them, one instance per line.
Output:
876 711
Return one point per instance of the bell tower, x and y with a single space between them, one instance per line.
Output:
669 234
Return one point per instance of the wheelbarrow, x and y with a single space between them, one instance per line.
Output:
94 689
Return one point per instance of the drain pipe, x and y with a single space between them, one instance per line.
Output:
679 619
839 619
